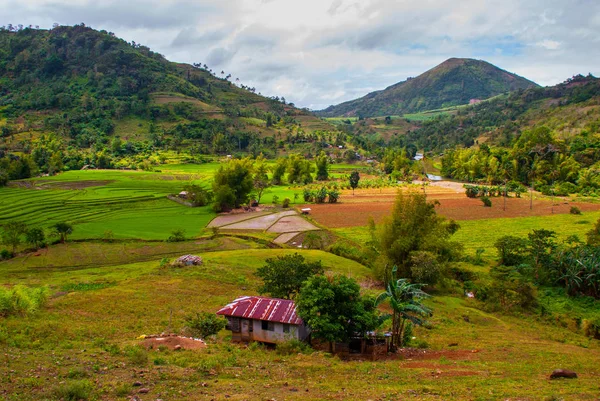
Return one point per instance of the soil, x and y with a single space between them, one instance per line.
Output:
355 213
172 342
61 185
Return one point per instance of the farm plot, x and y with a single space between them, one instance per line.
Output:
287 223
357 210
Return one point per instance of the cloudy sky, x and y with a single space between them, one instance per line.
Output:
321 52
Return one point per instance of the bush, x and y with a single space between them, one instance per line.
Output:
22 300
334 196
177 235
292 347
575 210
5 254
137 356
424 267
286 203
275 199
487 202
511 250
204 324
74 391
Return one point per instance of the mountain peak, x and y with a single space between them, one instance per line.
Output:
454 82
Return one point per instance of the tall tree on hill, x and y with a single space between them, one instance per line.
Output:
233 184
354 179
414 226
12 232
322 163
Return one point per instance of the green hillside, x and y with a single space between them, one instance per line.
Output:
454 82
74 96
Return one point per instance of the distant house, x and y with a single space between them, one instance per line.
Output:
267 320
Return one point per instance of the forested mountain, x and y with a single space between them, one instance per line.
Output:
96 99
456 81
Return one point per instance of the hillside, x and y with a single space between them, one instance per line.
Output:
568 109
93 92
454 82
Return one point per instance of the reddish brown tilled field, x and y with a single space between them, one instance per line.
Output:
358 212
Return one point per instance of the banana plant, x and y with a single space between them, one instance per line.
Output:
405 300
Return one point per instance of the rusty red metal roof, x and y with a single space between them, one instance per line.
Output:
261 308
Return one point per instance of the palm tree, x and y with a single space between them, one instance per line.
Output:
405 299
63 229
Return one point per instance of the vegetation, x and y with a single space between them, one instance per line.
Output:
414 226
406 302
233 185
334 308
284 276
204 324
454 82
21 300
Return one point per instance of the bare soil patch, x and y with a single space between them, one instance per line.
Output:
73 184
354 214
292 224
260 223
173 342
227 219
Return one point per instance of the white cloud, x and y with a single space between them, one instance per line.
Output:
321 52
548 44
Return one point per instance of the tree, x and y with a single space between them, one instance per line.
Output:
12 232
35 236
511 250
541 247
405 299
299 170
354 179
197 195
414 226
334 308
279 171
63 230
260 179
233 184
322 163
204 324
593 236
283 276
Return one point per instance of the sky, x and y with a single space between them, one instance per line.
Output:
321 52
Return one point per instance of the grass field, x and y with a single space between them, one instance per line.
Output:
87 337
104 295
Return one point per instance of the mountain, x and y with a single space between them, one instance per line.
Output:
98 94
456 81
571 110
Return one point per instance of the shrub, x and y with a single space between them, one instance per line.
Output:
487 202
286 203
511 250
22 300
575 210
334 196
308 195
74 391
137 356
204 324
321 195
6 254
293 347
177 235
275 199
424 267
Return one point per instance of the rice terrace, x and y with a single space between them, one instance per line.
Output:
169 233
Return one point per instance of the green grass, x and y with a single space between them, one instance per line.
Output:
90 337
